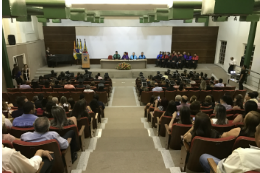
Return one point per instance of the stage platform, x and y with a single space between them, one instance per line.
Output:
114 73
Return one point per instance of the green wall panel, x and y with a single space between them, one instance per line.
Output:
162 14
56 12
56 20
42 20
24 19
96 19
201 19
141 19
187 4
101 20
145 18
180 13
220 19
249 18
77 16
188 21
46 3
234 6
151 18
90 17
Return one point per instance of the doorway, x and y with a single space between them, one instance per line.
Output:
19 60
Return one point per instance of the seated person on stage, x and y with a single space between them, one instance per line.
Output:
174 60
25 85
179 61
42 133
188 60
27 118
195 60
142 56
125 56
133 56
116 56
164 60
158 61
69 86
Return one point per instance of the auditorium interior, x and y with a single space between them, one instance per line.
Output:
114 80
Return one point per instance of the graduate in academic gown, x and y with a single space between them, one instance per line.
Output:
116 56
142 56
158 59
125 56
133 56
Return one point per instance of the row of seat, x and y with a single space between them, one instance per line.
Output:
170 95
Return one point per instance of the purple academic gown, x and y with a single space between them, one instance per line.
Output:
125 57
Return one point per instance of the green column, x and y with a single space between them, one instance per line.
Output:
5 64
207 22
250 43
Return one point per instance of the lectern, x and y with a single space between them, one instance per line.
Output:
85 60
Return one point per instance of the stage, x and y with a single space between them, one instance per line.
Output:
133 73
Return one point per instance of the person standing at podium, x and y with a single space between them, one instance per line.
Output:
125 56
142 56
116 56
133 56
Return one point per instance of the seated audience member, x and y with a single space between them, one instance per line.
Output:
202 127
94 105
49 98
170 110
249 106
219 84
208 102
170 87
60 118
241 160
142 56
47 112
5 134
5 109
92 84
251 121
251 96
100 88
116 56
157 88
42 133
47 84
20 102
80 110
25 85
57 84
64 103
6 121
35 84
178 100
220 115
223 101
212 79
166 75
96 78
55 100
88 89
192 81
205 76
40 102
184 101
28 117
152 101
203 85
71 102
187 84
14 161
193 99
125 56
238 102
195 108
69 86
99 77
161 104
80 85
229 99
99 102
184 117
133 56
181 87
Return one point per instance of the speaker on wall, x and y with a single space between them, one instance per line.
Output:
11 40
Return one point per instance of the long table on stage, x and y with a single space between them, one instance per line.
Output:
111 64
60 58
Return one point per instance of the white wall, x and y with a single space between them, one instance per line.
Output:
236 35
104 41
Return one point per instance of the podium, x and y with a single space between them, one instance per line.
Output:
85 60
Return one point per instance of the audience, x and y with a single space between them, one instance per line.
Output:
64 104
203 85
157 88
60 119
80 110
249 106
220 115
161 104
20 102
55 100
171 109
25 85
27 118
238 102
223 101
251 96
42 133
202 127
181 88
251 121
183 116
241 159
47 113
94 105
99 102
57 84
184 101
71 102
88 89
80 85
69 86
178 100
193 99
208 102
219 84
195 108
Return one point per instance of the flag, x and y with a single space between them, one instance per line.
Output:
74 51
85 44
74 45
77 45
80 47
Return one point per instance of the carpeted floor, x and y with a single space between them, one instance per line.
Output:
125 146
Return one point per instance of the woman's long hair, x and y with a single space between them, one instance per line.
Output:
208 100
94 105
164 103
202 125
239 101
195 108
250 106
181 87
79 108
152 99
64 103
203 85
60 118
220 112
171 108
185 115
251 121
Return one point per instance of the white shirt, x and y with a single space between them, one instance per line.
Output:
219 85
232 62
157 89
88 90
13 161
241 160
214 120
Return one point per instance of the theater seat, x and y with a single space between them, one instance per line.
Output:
7 144
149 114
170 95
110 57
161 125
146 96
223 128
17 131
203 94
242 92
173 136
62 158
244 142
83 121
158 93
154 115
103 97
218 147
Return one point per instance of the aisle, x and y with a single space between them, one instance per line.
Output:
124 145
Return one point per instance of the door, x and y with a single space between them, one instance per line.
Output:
19 61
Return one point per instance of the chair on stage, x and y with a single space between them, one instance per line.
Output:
110 57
